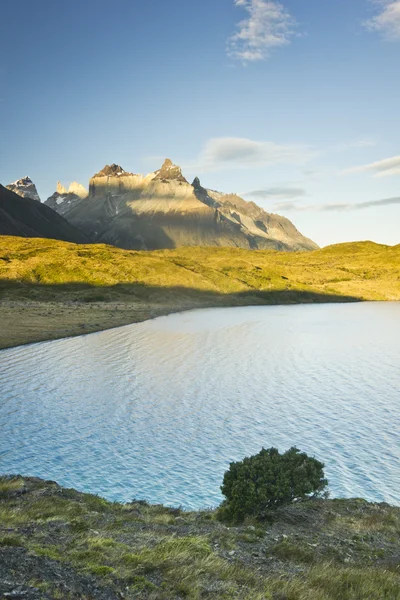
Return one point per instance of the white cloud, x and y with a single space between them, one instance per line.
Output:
291 206
276 193
381 168
219 153
387 21
269 25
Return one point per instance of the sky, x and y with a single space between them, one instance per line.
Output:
292 104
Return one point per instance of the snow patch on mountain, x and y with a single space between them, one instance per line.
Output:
25 188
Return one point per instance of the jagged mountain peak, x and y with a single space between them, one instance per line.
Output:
113 170
78 189
170 172
25 188
64 199
23 181
74 189
196 183
61 189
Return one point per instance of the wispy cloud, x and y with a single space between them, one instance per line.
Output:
276 193
340 206
370 203
236 152
222 153
269 25
381 168
387 21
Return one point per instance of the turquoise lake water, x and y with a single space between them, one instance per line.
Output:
157 410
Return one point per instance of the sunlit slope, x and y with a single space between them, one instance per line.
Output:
362 270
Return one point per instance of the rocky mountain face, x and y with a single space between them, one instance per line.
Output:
163 210
63 199
23 216
170 172
25 188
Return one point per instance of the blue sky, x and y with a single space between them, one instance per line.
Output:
292 104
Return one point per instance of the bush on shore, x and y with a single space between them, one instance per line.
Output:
268 480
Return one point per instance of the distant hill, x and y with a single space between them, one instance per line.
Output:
163 210
24 216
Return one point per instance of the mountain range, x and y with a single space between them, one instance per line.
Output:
163 210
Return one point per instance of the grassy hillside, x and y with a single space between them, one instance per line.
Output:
119 286
363 270
58 543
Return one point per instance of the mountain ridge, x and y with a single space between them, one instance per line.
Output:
163 210
25 217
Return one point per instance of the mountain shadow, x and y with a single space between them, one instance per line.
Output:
25 217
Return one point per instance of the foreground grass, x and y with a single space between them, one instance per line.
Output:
83 288
321 550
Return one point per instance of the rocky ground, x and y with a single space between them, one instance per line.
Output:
58 543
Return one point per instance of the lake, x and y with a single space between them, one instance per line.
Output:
158 410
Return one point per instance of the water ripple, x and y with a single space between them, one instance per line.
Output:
157 410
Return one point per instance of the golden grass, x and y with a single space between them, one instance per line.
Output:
365 270
51 289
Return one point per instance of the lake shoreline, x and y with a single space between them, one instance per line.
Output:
52 290
26 322
57 542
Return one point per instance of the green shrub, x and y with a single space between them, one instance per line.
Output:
269 480
11 540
